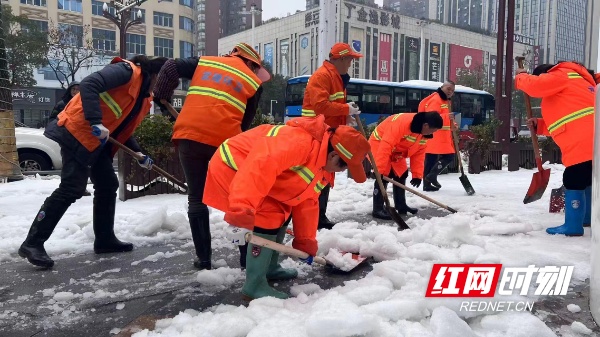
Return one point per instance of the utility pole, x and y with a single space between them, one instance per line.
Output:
422 24
253 12
328 20
123 19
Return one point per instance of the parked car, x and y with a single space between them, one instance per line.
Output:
36 151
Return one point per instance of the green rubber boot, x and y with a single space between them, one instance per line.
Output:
276 271
258 260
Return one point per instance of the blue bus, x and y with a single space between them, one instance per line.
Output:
379 99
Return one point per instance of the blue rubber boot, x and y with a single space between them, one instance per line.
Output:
574 213
587 219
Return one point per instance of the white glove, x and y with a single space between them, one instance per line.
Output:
100 131
354 110
146 162
237 235
351 121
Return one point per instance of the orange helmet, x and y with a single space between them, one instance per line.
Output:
244 51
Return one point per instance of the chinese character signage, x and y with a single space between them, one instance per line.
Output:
434 51
434 70
372 16
385 56
34 96
492 70
536 57
412 58
463 59
311 19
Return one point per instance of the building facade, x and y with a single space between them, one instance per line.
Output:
389 42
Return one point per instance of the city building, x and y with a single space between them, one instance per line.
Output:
415 8
389 41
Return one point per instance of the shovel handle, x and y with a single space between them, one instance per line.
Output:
169 107
258 241
452 210
534 138
154 167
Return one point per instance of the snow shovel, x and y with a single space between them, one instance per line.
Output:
391 210
258 241
463 178
448 208
540 179
557 200
155 168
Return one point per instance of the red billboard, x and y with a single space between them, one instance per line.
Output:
463 59
385 57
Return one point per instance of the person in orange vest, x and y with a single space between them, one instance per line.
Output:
398 137
112 102
265 175
440 150
222 101
326 95
567 90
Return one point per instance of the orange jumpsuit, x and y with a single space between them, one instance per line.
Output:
392 142
325 95
441 143
568 94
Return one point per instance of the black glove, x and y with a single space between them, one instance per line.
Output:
416 182
162 107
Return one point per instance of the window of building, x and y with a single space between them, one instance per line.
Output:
186 24
103 39
136 44
97 8
186 49
71 35
40 25
163 47
187 3
70 5
41 3
134 14
163 19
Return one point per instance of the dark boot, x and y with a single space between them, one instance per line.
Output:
324 222
379 211
104 224
587 218
243 251
431 177
200 226
276 271
427 187
400 200
258 260
42 227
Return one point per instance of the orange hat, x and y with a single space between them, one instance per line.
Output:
244 50
352 146
343 49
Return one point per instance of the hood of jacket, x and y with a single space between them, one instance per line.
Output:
581 70
315 126
66 97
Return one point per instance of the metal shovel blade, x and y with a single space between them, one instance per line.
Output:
335 269
397 218
467 184
539 182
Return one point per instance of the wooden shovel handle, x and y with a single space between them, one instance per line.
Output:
257 240
169 107
534 138
420 194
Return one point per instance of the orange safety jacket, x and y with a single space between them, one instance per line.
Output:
275 171
116 104
392 142
568 95
216 100
325 95
441 143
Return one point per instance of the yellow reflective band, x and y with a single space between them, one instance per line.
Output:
226 155
308 113
574 75
304 173
221 95
112 105
423 142
410 139
229 69
239 45
343 150
571 117
319 187
376 134
445 128
444 106
344 52
396 117
337 95
274 131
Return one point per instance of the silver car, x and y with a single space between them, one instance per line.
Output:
36 151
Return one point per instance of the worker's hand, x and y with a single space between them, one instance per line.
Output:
416 182
521 70
101 132
353 109
308 260
351 121
240 217
532 123
146 162
236 235
162 107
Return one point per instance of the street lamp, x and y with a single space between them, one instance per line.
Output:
253 11
123 19
273 100
422 23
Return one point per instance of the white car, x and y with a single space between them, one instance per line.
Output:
36 151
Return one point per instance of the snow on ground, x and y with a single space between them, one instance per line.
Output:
493 226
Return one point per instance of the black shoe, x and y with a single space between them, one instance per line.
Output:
37 256
325 223
112 245
430 188
433 181
202 265
381 214
404 210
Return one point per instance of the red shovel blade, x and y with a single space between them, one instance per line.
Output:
539 182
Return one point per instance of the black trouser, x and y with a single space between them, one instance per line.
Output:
194 158
578 177
432 159
324 200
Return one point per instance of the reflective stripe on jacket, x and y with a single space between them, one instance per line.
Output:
393 141
275 171
568 94
216 100
115 104
441 143
325 95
